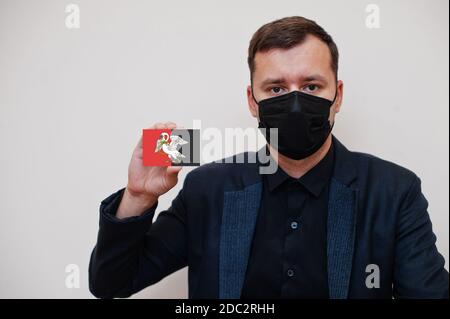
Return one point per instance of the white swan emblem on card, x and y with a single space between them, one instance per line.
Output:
171 149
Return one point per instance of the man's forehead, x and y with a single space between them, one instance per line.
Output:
310 57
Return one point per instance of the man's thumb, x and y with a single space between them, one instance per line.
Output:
173 171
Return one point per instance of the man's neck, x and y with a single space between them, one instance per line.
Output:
298 168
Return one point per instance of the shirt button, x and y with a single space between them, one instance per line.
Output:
294 225
290 272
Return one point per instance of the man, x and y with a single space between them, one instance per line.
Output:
329 223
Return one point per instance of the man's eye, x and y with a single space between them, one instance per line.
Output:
276 90
311 88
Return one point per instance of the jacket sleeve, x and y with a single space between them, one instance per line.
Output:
419 268
134 253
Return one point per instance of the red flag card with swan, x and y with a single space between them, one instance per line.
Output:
166 147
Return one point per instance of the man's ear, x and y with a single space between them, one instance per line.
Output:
252 106
339 97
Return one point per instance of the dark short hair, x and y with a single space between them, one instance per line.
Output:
286 33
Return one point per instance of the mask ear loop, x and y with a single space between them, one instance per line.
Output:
251 87
335 96
267 131
334 100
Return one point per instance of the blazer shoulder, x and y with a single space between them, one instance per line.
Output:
384 170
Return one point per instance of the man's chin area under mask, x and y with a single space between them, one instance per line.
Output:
317 155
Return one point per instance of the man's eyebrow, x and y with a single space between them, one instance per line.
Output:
312 77
272 81
315 77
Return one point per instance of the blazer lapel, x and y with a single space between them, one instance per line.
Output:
341 225
240 211
340 238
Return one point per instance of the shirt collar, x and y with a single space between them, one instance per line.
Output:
314 180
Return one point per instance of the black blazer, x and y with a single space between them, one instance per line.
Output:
377 215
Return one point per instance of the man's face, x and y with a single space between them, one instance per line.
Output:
305 67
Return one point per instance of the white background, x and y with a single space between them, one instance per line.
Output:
73 103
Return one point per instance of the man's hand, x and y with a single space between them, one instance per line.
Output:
146 183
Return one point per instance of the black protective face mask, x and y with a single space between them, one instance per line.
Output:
301 120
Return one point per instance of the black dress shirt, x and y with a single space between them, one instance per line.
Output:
288 258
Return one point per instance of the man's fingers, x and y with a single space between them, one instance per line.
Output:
159 126
171 125
139 144
173 170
